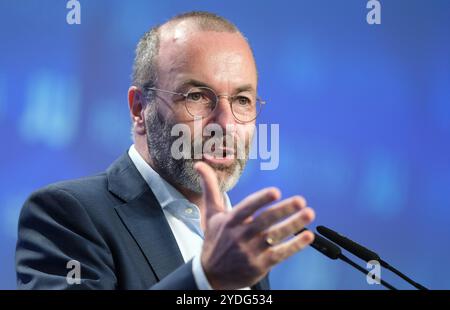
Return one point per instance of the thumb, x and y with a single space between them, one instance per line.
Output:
212 196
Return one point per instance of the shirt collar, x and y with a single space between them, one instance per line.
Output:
164 192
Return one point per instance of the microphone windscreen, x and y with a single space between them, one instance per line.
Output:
324 246
351 246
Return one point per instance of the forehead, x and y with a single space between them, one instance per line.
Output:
214 57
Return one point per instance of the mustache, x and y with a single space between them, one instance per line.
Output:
230 146
211 139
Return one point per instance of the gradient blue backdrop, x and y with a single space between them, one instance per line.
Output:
364 114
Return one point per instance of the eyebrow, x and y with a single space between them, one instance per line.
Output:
197 83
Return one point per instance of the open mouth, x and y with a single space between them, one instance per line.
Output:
222 152
222 155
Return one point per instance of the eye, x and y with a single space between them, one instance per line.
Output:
243 101
195 96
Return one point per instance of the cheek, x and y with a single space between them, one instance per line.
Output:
245 132
174 112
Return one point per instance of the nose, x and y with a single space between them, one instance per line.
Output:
222 114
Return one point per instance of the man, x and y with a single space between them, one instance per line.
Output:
156 221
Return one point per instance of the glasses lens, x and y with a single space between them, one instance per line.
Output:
200 101
245 108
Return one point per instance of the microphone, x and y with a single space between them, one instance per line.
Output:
363 253
334 252
325 247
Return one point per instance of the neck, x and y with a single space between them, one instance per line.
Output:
195 198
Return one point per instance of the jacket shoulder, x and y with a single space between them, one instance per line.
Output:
77 186
88 193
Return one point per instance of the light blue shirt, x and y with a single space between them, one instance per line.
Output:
182 215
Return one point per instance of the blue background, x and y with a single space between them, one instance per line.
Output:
364 114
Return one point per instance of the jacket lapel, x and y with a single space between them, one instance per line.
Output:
143 217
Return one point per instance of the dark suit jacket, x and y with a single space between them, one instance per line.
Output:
112 224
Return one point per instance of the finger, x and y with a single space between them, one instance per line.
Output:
276 254
290 226
274 214
252 203
211 192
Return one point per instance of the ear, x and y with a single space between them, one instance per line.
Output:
136 104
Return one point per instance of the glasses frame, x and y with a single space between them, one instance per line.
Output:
230 100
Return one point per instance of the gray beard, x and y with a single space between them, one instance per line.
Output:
181 171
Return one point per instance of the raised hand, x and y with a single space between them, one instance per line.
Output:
241 247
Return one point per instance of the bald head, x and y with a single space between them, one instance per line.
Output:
175 31
204 21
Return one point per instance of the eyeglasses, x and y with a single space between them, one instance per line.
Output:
201 101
